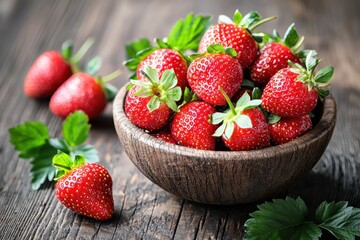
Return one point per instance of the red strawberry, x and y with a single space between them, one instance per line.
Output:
190 126
287 129
275 55
235 34
293 92
166 136
46 74
85 188
164 59
80 92
51 69
150 104
244 126
211 71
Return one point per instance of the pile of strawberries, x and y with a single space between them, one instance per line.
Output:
56 75
223 87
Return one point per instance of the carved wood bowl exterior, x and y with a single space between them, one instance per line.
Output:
224 177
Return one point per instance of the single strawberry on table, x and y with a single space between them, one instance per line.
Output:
286 129
244 126
190 126
51 69
236 34
150 104
85 188
275 54
294 91
213 69
85 92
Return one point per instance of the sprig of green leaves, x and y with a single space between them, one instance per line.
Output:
289 219
33 142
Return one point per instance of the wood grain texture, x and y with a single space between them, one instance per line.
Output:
143 210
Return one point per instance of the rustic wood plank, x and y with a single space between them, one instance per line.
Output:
143 210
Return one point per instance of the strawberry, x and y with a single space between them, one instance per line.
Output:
244 126
51 69
287 129
150 104
85 188
81 92
164 59
293 92
166 136
213 70
235 34
275 55
190 126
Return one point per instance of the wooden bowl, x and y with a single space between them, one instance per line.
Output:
224 177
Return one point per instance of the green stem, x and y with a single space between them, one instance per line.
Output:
82 51
255 25
298 44
231 105
111 76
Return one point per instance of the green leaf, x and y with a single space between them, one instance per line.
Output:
342 221
252 104
256 93
154 103
273 118
187 33
220 130
174 93
324 75
59 144
323 93
291 37
161 43
229 130
168 79
151 74
231 52
76 128
311 61
237 17
67 50
217 117
171 104
28 135
215 48
63 161
90 153
243 100
244 121
42 169
249 19
247 83
281 219
225 19
93 66
131 64
110 92
79 160
132 49
260 37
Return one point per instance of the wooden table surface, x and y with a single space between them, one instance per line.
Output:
143 210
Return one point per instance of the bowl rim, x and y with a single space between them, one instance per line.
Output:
325 124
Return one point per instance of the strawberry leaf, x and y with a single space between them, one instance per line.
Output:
225 19
67 50
154 103
171 104
229 130
220 130
132 49
59 144
324 75
174 94
168 79
93 66
110 92
187 33
311 61
243 100
215 48
281 219
237 17
90 153
339 219
273 119
291 37
243 121
256 93
249 19
76 128
79 160
230 51
247 83
62 161
28 136
217 117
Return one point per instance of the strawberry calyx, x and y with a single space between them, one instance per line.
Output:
160 90
249 22
233 115
306 74
109 89
74 59
188 96
65 164
215 49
